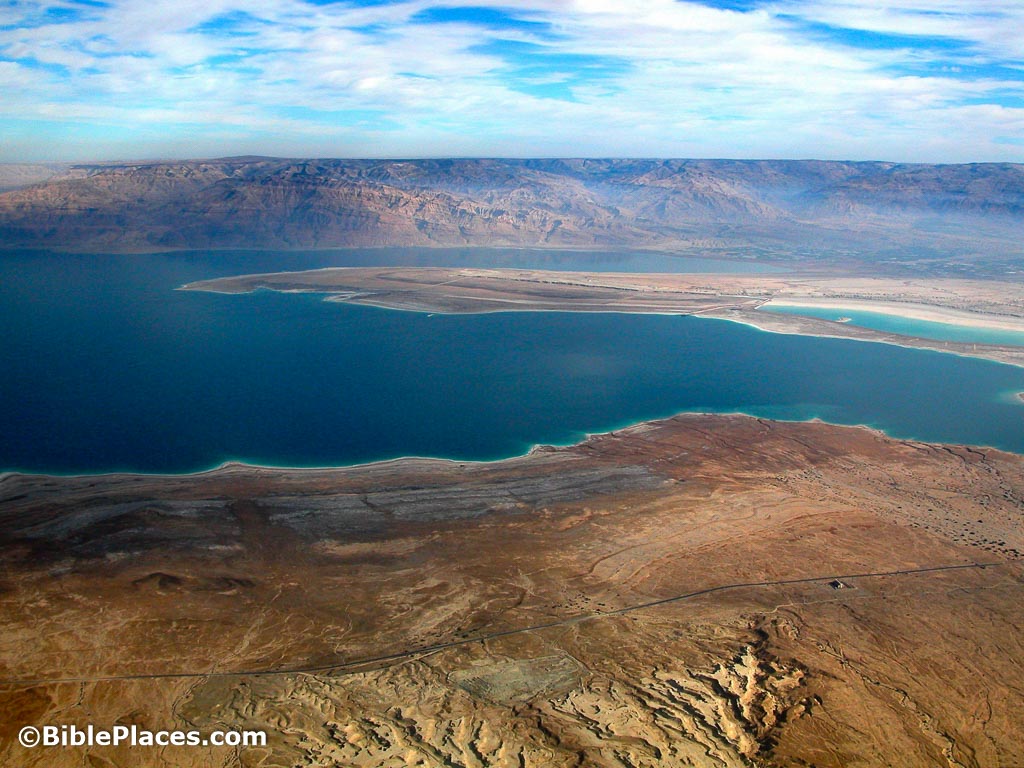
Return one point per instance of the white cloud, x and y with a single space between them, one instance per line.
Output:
645 77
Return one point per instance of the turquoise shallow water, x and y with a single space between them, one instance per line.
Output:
924 329
104 367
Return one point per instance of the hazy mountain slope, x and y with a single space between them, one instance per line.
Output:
14 175
874 208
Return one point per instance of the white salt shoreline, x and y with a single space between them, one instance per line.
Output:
926 312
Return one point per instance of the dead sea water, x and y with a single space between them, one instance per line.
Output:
105 367
906 326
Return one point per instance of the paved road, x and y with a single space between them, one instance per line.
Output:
355 664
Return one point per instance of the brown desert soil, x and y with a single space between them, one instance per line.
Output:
704 590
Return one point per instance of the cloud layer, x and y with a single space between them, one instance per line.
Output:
929 80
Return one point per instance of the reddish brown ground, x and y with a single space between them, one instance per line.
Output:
243 571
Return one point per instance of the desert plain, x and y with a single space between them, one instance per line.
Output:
703 590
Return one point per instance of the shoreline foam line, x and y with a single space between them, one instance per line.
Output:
931 313
974 350
235 464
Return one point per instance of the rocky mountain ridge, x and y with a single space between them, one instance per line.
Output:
318 203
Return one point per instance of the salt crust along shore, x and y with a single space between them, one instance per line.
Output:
441 290
929 313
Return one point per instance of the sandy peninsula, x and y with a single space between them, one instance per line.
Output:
736 297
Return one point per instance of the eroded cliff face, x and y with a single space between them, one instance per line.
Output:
781 208
705 590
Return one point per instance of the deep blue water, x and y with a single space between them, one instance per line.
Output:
925 329
103 367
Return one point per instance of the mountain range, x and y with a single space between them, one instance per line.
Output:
968 216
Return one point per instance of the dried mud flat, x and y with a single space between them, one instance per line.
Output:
704 590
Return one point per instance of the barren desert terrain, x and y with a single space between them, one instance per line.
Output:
705 590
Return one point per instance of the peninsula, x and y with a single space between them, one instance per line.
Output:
737 297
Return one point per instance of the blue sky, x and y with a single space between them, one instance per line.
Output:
910 80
